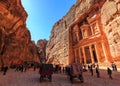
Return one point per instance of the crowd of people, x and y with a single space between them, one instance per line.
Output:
69 70
20 67
92 68
109 69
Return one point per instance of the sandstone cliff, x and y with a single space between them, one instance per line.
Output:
110 16
15 40
57 47
41 48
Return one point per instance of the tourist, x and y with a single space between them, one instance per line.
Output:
97 66
114 67
109 71
5 68
81 72
63 69
97 72
91 70
89 67
69 70
84 67
59 68
21 67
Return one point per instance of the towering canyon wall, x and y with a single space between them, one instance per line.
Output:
15 40
57 47
41 49
110 17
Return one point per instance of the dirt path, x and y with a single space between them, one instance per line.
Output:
31 78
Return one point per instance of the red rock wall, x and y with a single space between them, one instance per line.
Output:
110 16
41 47
15 40
57 50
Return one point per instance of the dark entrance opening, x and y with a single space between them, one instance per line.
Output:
82 60
88 56
94 55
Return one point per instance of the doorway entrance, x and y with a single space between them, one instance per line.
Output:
94 54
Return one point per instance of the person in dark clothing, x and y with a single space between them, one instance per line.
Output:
97 72
91 70
68 70
109 71
5 70
22 68
63 69
115 68
56 68
113 65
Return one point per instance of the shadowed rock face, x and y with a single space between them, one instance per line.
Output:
58 45
15 40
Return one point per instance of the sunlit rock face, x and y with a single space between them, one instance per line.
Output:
58 51
57 47
41 49
110 17
15 40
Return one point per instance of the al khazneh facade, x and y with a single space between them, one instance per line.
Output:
88 33
88 41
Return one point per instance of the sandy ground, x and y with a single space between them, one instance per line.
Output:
31 78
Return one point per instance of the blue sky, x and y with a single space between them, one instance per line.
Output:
42 14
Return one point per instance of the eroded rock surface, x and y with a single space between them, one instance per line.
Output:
41 47
110 16
58 45
15 40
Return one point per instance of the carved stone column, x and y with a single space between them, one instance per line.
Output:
91 54
106 52
85 60
97 52
80 55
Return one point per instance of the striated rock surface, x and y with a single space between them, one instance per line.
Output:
110 16
57 47
41 49
15 40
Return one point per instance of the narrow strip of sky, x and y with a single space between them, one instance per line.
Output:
42 14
